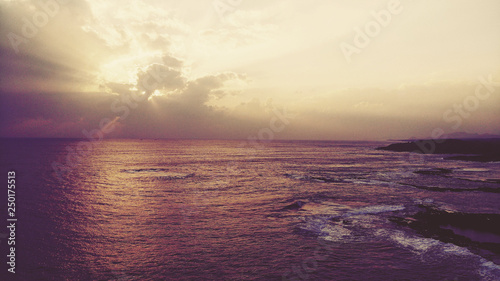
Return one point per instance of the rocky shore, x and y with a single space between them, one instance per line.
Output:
477 232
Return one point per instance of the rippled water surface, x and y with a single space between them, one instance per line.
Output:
230 210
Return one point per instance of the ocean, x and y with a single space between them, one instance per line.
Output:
234 210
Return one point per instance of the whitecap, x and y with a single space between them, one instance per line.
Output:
334 232
376 209
415 243
456 250
475 170
489 270
325 229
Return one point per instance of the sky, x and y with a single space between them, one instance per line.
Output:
241 69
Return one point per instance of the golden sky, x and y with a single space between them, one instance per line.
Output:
316 69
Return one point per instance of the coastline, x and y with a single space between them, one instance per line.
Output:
479 150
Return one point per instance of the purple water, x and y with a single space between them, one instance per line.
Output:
217 210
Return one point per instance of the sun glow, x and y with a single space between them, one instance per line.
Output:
125 68
216 73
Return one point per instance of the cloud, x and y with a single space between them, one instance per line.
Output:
199 91
172 72
159 77
45 86
181 109
48 51
409 110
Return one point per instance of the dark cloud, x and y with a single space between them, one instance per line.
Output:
42 87
199 91
159 77
48 52
181 112
52 114
52 85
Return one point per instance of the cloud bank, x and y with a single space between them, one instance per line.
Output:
171 70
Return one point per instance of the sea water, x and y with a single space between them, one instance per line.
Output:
233 210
